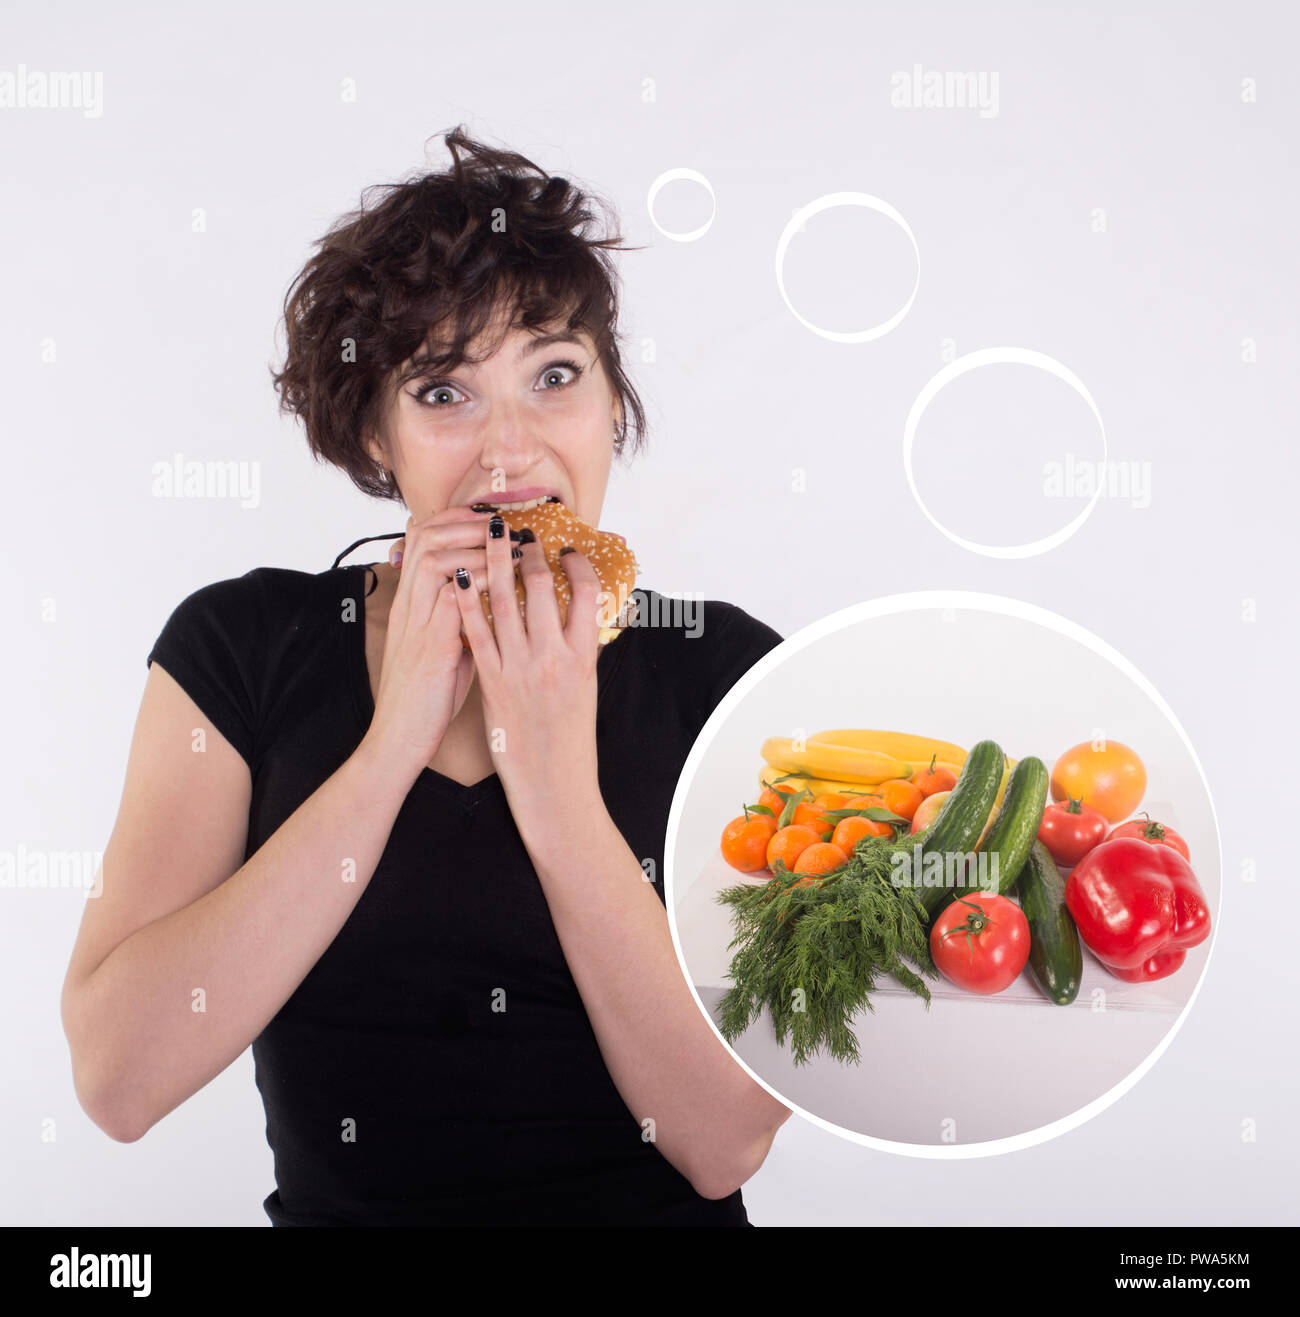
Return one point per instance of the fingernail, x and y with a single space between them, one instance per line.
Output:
515 535
497 527
462 578
397 557
526 535
516 553
568 548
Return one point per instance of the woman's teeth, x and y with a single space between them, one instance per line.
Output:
526 504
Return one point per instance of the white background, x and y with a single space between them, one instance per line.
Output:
776 452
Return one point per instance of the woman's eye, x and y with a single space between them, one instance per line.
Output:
429 393
555 369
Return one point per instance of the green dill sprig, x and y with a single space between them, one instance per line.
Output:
812 953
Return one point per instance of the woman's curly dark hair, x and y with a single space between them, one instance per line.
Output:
494 233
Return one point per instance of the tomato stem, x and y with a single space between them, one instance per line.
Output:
976 922
1153 831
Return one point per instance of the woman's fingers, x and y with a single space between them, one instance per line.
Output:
541 606
487 658
431 551
507 621
457 519
586 608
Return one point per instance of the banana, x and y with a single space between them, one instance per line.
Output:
898 744
840 762
817 785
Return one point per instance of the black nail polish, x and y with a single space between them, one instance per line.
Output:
526 535
497 527
515 535
482 507
462 578
516 553
568 548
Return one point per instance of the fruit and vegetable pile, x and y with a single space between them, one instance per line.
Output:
880 853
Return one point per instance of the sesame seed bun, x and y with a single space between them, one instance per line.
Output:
615 564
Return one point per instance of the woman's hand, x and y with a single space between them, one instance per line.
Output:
426 671
537 680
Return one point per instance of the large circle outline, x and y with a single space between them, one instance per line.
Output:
912 602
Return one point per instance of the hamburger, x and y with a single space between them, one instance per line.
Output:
553 526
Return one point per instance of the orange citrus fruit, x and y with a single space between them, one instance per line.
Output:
1111 778
848 832
775 798
744 842
901 796
820 859
788 844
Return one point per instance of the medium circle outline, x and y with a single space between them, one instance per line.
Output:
995 357
828 202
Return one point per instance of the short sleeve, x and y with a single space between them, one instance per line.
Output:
210 646
741 641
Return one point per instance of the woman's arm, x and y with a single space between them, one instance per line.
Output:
711 1120
149 946
540 694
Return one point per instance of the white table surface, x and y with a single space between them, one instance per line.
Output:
969 1069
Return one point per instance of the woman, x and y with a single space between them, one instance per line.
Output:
424 881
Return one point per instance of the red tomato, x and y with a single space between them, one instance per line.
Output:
981 942
1071 830
1147 829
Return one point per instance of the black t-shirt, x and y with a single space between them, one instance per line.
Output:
394 1093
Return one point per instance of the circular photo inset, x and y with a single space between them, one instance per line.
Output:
943 870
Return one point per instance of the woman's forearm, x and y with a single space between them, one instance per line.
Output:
710 1119
176 1002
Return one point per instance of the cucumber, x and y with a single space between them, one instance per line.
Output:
1015 828
961 820
1055 952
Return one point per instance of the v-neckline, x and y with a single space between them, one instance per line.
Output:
363 700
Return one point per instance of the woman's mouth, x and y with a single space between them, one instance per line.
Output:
514 507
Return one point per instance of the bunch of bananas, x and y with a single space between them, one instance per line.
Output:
852 760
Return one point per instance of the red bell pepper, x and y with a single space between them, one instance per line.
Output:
1138 908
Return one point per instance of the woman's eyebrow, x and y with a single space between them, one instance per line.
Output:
546 341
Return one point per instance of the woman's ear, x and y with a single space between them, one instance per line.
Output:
374 449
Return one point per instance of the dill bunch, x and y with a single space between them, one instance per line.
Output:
813 954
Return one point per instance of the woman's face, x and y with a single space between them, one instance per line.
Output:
535 418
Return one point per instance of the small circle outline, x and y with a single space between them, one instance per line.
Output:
672 176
